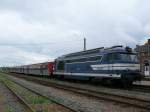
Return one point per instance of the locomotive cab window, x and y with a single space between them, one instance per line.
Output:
124 57
129 57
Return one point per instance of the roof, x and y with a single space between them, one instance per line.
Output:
87 52
95 51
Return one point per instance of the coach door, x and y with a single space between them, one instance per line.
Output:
110 63
41 70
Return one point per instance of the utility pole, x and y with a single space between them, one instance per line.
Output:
84 44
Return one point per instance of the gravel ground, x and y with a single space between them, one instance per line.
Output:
77 101
8 102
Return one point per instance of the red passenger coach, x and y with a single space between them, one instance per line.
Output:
45 69
41 69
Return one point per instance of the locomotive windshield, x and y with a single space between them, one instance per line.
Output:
129 57
123 57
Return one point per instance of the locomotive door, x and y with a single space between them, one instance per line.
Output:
110 60
146 69
61 66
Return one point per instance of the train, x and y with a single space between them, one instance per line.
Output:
40 69
115 64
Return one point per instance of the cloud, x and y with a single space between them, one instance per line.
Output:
38 30
18 56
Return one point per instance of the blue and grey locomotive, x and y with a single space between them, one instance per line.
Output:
116 63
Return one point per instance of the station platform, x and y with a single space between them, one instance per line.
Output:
143 82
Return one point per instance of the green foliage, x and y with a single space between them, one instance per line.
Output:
9 109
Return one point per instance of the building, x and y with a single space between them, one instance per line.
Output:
144 57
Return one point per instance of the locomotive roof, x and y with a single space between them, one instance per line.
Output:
96 51
91 51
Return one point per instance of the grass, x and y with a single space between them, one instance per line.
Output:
9 109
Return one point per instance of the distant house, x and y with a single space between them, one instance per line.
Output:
144 57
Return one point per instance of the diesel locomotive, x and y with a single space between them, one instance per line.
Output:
117 63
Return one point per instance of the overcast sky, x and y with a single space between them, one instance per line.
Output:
40 30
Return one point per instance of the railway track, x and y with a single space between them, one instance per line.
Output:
141 88
20 99
71 110
128 100
28 106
